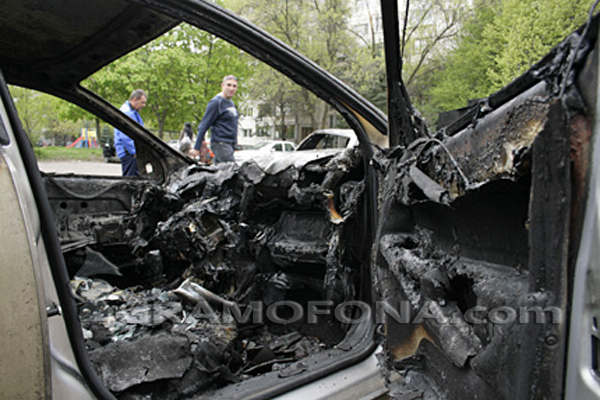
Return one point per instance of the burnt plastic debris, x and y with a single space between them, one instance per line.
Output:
198 253
194 292
150 358
95 264
276 288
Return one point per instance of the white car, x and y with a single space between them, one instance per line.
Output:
264 148
174 144
318 145
329 139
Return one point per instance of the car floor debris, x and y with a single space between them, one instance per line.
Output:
159 288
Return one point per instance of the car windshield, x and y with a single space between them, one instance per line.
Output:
325 141
261 145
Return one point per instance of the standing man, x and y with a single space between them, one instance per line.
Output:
124 145
221 117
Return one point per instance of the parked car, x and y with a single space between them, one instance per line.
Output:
329 139
174 144
108 151
319 145
456 264
263 148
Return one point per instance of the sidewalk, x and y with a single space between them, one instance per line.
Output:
81 167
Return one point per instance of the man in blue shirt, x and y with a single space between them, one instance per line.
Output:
124 145
221 117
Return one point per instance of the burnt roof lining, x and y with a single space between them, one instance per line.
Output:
79 57
92 46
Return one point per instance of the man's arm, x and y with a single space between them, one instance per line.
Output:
122 140
210 116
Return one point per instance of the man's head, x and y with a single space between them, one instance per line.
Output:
138 99
229 86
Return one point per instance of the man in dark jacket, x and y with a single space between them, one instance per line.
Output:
221 117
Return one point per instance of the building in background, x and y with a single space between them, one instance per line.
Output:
365 22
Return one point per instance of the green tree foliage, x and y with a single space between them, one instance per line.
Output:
429 30
181 71
366 74
465 74
41 117
526 30
502 40
31 110
317 29
275 94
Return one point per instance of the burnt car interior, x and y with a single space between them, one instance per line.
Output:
156 265
484 214
229 234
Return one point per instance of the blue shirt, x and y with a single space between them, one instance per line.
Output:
122 141
222 118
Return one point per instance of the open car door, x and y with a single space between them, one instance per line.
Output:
483 259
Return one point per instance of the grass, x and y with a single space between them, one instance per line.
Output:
67 154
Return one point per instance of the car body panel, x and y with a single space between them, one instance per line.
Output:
365 379
582 360
53 370
23 317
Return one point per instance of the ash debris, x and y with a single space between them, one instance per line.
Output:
208 241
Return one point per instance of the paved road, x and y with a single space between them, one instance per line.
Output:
81 167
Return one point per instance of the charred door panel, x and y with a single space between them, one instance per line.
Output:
472 255
90 210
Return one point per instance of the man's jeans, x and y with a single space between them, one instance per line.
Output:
223 151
